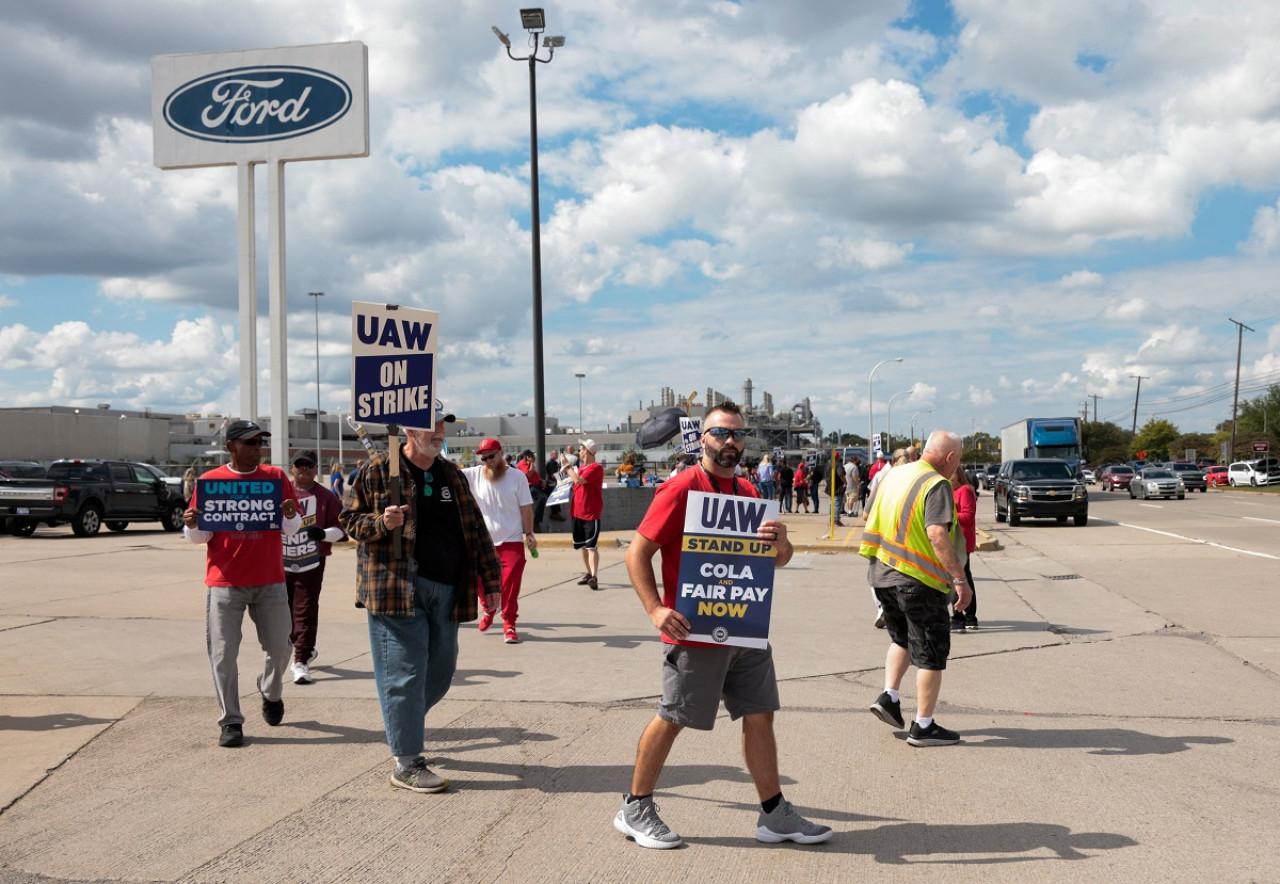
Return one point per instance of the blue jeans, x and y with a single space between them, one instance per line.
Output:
414 659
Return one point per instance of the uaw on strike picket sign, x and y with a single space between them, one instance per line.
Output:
726 572
393 353
239 504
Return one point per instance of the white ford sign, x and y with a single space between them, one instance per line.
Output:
292 103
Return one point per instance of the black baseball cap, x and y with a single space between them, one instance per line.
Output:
307 456
244 430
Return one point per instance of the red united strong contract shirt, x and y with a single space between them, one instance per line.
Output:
246 558
664 525
588 498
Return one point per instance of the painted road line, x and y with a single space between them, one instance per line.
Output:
1247 552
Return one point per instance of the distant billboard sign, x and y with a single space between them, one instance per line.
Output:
260 105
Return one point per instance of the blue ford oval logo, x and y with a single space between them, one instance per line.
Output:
255 104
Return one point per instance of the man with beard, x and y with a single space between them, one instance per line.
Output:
697 676
416 600
507 506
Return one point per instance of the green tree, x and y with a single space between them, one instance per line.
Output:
1201 443
1105 442
1154 438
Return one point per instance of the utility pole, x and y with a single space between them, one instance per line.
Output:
1141 378
1235 399
1095 398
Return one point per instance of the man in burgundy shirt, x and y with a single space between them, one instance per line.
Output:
697 676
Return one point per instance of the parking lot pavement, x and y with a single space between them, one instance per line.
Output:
1100 737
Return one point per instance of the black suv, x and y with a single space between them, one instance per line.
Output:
1040 488
1191 475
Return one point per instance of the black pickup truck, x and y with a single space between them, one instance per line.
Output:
89 494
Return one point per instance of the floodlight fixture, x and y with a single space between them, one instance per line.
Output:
533 20
505 40
553 42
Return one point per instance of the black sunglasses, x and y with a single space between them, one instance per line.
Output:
427 479
723 433
490 456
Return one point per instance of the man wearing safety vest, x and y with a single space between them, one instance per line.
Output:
910 540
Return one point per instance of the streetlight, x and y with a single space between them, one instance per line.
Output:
913 423
533 21
318 296
888 420
579 375
871 419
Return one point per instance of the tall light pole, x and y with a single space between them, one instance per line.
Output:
579 375
871 417
1235 398
318 296
913 423
888 420
534 21
1140 378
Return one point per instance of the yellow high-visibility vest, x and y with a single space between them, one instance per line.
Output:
896 534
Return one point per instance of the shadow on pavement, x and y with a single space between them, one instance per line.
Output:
1100 741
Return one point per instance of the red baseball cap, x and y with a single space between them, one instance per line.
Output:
489 444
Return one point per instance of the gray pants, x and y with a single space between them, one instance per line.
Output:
268 607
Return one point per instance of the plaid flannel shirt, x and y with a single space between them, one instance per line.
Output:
384 584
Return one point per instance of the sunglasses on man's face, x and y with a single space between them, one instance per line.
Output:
723 433
490 456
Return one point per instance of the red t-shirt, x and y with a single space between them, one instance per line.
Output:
246 558
588 498
664 525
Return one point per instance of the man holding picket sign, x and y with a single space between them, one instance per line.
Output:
697 675
242 511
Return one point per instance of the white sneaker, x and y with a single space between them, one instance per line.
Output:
301 673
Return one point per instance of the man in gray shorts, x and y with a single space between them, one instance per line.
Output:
697 676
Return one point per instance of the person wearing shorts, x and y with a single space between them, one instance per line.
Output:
910 540
586 508
697 677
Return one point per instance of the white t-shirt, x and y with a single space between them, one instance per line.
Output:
500 502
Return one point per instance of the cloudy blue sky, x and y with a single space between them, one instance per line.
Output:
1029 202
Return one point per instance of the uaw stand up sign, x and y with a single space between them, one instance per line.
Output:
255 107
726 572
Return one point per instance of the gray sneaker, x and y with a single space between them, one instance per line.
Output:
640 820
417 777
785 824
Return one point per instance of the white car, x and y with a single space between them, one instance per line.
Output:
1252 472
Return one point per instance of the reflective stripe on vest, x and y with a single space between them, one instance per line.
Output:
900 507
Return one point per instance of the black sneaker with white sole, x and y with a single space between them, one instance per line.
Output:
933 735
888 710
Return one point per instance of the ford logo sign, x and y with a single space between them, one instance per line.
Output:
255 104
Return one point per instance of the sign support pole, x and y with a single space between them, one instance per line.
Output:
248 295
279 316
393 485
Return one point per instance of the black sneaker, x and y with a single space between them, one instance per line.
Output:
887 710
586 578
971 624
593 583
933 735
232 736
272 711
957 626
